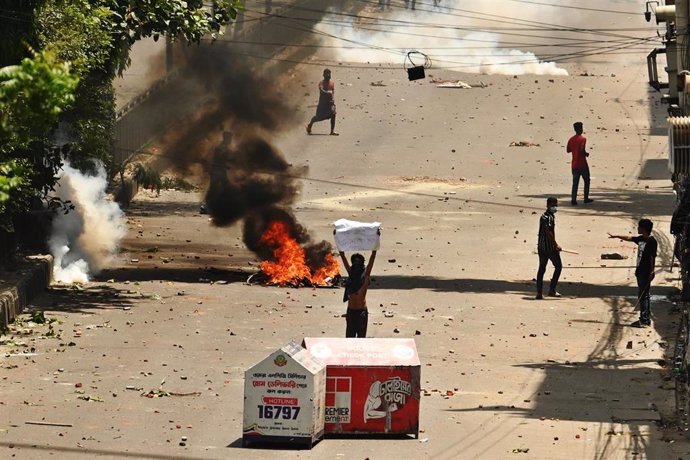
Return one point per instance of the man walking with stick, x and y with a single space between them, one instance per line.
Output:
548 249
644 271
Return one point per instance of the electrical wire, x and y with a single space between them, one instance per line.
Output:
471 29
490 17
426 25
386 22
365 47
581 8
644 39
451 65
300 27
426 35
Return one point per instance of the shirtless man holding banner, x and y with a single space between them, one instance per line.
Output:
357 236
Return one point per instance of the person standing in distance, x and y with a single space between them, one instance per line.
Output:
577 146
325 110
359 278
644 270
548 248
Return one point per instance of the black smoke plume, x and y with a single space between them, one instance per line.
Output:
228 94
248 178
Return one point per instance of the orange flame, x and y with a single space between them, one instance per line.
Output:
290 264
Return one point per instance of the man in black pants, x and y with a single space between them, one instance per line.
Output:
548 249
644 271
355 295
577 145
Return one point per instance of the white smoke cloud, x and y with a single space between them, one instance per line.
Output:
86 239
462 35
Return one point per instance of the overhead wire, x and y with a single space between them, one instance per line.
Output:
426 35
494 18
542 27
401 52
591 52
451 65
616 43
437 26
364 47
581 8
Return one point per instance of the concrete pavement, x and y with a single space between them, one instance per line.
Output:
31 276
552 379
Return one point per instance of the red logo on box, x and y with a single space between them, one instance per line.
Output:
338 399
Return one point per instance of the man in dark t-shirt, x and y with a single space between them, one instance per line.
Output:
644 269
548 249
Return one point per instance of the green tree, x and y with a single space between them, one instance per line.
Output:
189 20
17 30
97 36
33 94
83 45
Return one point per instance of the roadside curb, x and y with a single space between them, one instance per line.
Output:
35 279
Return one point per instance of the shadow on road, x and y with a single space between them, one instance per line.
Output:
183 275
80 300
527 288
84 452
153 208
634 203
612 387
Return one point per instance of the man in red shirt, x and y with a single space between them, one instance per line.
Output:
576 146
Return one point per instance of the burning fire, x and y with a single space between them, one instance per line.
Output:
290 265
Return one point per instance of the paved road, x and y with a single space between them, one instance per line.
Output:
562 378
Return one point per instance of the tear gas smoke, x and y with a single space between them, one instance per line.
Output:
456 35
84 240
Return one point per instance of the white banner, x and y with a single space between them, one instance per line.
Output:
351 235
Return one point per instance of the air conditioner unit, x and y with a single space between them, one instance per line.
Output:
679 145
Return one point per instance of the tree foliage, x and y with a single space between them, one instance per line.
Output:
78 31
32 96
189 20
83 45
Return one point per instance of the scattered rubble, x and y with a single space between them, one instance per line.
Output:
523 144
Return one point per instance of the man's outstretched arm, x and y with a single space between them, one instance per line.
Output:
621 237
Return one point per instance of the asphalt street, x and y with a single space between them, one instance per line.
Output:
506 376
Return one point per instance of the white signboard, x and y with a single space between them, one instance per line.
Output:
284 397
351 235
